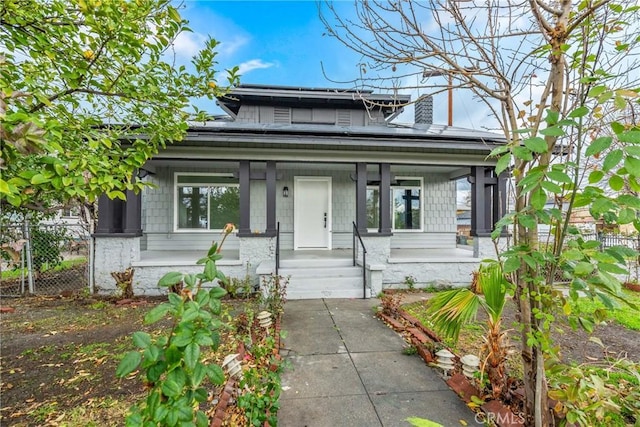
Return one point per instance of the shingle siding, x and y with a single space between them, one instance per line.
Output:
439 210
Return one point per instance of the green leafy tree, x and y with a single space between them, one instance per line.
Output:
89 91
559 78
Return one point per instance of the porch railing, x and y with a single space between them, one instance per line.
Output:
356 233
277 247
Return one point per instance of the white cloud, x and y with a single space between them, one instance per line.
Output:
188 44
254 64
230 47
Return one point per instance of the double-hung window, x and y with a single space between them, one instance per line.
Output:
206 201
406 205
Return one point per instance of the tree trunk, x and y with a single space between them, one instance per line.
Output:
124 281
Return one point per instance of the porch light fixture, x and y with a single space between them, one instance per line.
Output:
285 191
143 173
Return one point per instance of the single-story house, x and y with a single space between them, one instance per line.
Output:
312 178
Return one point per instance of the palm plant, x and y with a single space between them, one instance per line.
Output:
450 310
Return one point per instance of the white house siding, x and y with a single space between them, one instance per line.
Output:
454 273
259 205
439 204
157 216
158 209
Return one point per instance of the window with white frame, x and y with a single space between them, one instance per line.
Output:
206 201
406 205
406 201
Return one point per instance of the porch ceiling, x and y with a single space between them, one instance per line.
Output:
324 155
257 166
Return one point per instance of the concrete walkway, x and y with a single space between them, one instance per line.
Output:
346 368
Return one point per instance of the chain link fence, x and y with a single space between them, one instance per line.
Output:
44 259
606 240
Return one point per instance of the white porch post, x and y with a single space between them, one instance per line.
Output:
258 251
113 254
483 247
378 253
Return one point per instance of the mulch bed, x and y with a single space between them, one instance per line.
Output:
575 347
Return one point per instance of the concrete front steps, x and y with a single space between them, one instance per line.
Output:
322 278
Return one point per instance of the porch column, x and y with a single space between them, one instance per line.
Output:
361 197
478 202
117 238
271 199
110 215
244 228
133 214
105 215
488 199
384 192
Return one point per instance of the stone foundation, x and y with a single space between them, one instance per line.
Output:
456 273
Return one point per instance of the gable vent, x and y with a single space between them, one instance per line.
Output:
282 115
343 118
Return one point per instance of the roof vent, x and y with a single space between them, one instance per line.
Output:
282 115
343 117
424 110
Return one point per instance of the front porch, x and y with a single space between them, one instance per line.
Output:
319 273
405 215
157 258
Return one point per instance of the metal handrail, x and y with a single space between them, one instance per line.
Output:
356 233
277 247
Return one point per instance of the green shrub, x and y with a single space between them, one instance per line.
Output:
46 247
174 365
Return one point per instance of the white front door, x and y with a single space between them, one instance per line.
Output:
312 213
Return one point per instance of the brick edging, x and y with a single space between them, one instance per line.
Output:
223 403
418 324
230 386
419 336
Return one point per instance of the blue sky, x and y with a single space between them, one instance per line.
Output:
283 43
274 42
